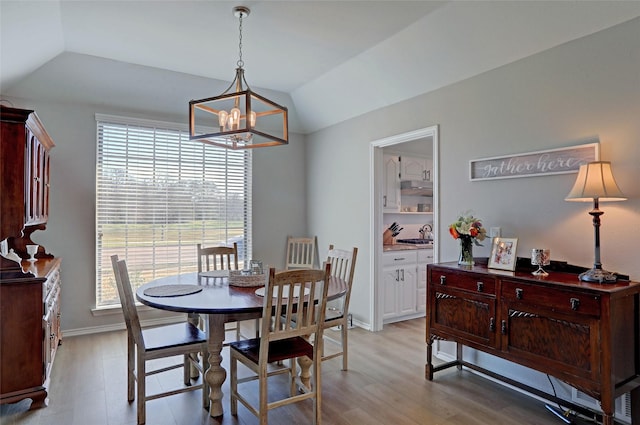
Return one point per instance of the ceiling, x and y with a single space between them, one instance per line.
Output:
328 61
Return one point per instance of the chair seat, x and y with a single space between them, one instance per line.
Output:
172 336
278 350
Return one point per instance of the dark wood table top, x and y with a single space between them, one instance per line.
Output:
217 296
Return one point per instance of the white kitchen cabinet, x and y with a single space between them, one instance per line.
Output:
425 256
416 168
400 285
391 186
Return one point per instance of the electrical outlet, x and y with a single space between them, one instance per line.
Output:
495 232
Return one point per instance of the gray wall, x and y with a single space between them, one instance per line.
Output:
585 89
278 205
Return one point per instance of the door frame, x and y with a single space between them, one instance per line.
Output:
376 214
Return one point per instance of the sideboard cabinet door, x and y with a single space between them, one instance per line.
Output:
460 310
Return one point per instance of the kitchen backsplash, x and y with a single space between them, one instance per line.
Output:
409 224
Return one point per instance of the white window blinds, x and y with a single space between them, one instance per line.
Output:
159 194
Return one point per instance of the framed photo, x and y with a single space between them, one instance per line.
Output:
503 253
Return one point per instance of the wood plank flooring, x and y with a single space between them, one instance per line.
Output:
385 385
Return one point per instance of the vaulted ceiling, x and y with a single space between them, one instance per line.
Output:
328 61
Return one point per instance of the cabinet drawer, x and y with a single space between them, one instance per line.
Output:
552 298
467 281
425 256
394 258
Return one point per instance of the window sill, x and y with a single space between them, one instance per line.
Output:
117 310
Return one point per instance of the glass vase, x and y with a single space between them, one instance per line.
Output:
466 251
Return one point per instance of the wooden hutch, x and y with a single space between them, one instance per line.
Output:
29 290
585 334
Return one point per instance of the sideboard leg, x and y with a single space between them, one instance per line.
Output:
635 406
428 368
459 355
608 410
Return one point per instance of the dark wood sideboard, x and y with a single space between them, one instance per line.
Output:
585 334
29 290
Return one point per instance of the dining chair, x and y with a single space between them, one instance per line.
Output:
155 343
220 258
301 252
286 339
217 257
343 264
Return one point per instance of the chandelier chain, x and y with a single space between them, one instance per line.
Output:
240 62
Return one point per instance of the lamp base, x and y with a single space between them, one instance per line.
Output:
598 275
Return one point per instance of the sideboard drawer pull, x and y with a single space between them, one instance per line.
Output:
443 280
492 324
519 293
503 327
575 303
480 286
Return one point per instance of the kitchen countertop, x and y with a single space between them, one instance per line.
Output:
405 247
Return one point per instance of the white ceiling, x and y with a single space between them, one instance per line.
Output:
327 60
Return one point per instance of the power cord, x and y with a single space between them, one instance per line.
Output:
567 415
564 415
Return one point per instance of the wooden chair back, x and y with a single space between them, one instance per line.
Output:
301 253
296 318
217 258
127 300
343 265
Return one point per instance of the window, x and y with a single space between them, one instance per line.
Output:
158 195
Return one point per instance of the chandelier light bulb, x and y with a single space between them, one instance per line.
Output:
234 119
223 116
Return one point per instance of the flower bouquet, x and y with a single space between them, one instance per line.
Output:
468 229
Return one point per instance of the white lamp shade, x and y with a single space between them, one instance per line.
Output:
595 181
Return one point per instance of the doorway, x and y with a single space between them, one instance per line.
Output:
376 150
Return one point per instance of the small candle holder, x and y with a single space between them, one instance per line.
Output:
32 250
540 258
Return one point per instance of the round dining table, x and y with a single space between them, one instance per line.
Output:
211 295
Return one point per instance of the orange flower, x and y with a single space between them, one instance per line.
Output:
454 232
473 232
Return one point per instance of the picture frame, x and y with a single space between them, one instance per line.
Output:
503 253
530 164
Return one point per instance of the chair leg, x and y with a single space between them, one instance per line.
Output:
205 385
197 321
257 326
292 377
131 365
233 370
345 345
186 368
264 412
317 387
142 380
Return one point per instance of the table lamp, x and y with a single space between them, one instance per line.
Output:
595 182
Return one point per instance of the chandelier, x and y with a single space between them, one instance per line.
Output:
239 118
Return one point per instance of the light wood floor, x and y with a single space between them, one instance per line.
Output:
385 385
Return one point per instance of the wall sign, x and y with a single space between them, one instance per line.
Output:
552 161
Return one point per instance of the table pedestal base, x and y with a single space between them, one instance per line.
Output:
215 375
